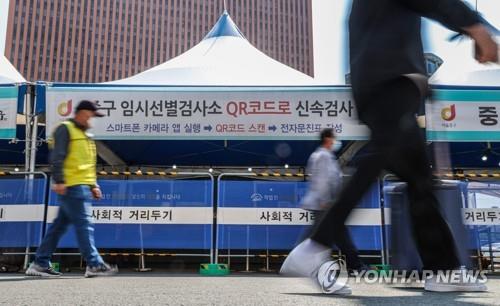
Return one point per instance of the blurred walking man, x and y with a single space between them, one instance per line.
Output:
389 83
73 160
325 175
325 183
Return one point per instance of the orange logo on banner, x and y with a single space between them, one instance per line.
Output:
65 108
448 113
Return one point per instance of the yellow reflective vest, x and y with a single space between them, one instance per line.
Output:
80 164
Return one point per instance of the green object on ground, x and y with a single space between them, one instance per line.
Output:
214 269
381 269
55 266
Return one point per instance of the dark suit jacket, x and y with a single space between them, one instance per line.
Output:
385 39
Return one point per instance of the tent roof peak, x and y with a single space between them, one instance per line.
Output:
225 26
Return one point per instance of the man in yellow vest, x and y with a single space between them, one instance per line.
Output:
73 161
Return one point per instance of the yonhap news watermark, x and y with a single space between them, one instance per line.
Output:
418 276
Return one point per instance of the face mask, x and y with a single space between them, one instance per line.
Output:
91 122
336 146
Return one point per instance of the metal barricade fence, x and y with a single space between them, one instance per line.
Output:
482 217
22 212
256 214
401 249
171 213
176 211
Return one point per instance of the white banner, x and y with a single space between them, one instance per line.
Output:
481 216
291 216
113 215
225 215
212 112
22 213
464 115
145 215
8 112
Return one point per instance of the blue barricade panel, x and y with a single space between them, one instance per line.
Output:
21 212
267 215
482 216
154 214
451 196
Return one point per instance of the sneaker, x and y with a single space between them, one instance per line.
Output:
36 270
465 284
305 259
101 270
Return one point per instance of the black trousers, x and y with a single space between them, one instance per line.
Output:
396 145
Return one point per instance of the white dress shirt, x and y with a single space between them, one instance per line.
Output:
325 180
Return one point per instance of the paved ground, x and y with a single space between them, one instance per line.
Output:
240 289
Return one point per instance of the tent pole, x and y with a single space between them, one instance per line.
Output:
30 155
27 152
33 131
27 137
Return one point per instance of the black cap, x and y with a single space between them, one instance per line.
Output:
89 105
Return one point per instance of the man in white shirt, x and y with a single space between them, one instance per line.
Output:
325 175
325 183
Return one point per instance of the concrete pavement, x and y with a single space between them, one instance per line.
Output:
237 289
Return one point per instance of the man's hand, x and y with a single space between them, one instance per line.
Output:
59 189
486 47
96 193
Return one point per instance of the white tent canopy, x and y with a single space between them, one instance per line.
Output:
223 58
461 69
9 74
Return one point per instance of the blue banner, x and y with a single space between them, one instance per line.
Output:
21 212
153 214
450 196
267 215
